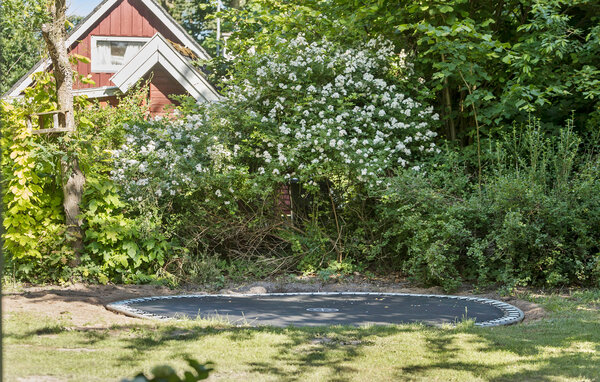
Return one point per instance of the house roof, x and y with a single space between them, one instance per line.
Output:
158 51
85 25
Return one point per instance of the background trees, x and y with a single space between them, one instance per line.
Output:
21 44
516 57
199 18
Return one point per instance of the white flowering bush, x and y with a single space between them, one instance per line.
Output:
338 122
188 169
306 110
165 159
314 110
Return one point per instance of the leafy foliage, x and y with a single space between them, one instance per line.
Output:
333 119
316 111
335 103
168 374
532 222
117 247
33 216
199 18
516 57
122 244
21 44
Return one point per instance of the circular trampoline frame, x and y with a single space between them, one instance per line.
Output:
511 314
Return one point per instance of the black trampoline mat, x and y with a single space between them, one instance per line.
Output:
319 309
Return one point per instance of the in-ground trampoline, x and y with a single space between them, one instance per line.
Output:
324 308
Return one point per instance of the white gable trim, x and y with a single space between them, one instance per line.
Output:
25 82
75 35
96 15
176 29
159 51
157 10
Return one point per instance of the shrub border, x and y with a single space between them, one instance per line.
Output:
512 314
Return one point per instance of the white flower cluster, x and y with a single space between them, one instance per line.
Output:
306 110
324 109
167 158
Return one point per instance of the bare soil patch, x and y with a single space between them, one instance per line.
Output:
83 306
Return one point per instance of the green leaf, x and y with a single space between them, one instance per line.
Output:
131 248
80 58
93 206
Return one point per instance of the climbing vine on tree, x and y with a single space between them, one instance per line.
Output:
34 238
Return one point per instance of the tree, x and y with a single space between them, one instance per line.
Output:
500 60
54 33
20 42
198 17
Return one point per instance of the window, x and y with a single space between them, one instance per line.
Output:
110 53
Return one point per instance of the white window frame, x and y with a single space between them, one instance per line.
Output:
98 68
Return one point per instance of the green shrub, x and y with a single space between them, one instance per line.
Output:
120 244
34 232
197 198
534 222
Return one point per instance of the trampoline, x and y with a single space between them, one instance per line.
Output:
324 308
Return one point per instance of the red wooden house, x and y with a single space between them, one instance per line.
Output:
127 40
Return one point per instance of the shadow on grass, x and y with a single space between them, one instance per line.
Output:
543 351
546 350
555 368
296 349
323 348
550 368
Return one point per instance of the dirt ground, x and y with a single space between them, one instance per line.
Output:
84 305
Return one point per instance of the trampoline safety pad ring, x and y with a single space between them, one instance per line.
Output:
324 308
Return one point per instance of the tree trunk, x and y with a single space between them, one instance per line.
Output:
72 195
55 35
448 108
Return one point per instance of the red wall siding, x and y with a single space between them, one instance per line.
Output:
285 200
162 86
127 18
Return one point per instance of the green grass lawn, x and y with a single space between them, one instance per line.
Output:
564 346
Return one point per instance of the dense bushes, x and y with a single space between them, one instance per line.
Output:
334 120
347 131
508 58
119 245
34 230
215 176
534 221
